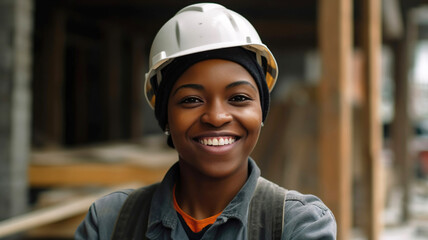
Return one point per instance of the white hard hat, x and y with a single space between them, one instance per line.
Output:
202 27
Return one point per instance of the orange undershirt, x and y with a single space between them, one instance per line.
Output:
194 224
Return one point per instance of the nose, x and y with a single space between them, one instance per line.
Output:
216 115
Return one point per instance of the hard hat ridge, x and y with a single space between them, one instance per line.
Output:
200 7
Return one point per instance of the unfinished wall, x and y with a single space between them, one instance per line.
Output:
15 104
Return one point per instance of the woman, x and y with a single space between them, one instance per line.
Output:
209 82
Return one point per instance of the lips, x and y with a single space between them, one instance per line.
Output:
217 141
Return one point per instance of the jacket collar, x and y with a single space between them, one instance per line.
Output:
238 207
162 208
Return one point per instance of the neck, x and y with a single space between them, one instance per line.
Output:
201 196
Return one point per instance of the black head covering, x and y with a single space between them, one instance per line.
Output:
178 66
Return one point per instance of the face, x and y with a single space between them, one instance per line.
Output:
214 116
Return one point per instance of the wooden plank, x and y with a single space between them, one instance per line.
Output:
335 38
63 229
372 138
92 174
103 165
55 213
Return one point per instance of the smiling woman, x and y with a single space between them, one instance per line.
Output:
209 82
225 106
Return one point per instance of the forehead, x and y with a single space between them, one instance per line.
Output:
215 71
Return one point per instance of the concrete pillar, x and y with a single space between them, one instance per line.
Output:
16 23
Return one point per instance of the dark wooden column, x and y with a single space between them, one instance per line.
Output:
137 81
113 81
401 128
54 52
80 96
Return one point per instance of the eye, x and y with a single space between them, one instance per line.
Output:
240 98
190 100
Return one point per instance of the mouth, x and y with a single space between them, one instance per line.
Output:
217 141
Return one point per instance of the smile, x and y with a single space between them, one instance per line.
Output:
216 141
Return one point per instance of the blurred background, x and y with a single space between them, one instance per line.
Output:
348 121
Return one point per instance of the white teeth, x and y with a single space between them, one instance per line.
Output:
217 141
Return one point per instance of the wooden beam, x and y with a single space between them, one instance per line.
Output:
54 51
335 36
401 129
280 30
105 165
372 138
180 4
98 174
392 19
137 80
55 213
401 126
63 229
113 81
80 96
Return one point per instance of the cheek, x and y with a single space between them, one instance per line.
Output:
253 115
179 121
251 119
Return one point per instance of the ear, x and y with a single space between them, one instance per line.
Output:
167 132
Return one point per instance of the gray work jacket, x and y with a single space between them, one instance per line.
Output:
305 217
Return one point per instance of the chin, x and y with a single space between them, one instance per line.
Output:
216 167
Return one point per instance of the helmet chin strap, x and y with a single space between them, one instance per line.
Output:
158 76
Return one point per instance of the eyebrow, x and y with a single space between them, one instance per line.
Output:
238 83
200 87
194 86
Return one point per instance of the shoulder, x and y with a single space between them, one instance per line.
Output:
114 199
100 219
297 202
307 217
